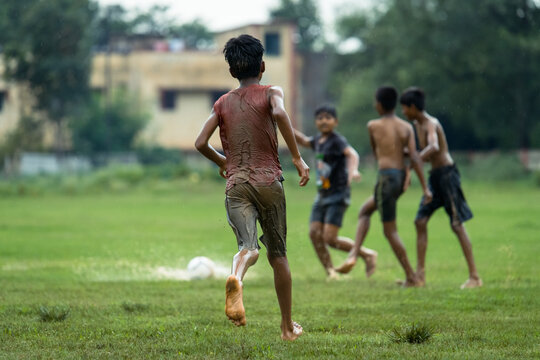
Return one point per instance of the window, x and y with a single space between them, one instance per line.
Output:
272 44
168 99
3 97
216 94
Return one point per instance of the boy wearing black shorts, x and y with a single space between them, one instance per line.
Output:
336 166
444 182
389 136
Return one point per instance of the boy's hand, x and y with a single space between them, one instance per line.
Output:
428 196
223 171
303 170
354 176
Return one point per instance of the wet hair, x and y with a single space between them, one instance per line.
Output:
413 96
244 55
387 97
326 108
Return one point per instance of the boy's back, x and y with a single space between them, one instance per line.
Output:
249 136
389 136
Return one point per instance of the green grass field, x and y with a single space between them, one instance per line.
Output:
101 257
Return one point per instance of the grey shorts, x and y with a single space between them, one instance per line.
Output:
245 204
387 191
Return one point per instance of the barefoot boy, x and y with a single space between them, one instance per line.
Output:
389 135
336 165
247 119
444 182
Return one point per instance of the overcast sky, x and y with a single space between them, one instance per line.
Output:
225 14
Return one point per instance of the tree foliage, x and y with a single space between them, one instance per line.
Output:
305 15
479 63
107 127
46 47
115 22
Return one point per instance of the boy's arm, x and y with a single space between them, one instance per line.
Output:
371 139
301 138
417 165
432 142
206 149
284 123
353 160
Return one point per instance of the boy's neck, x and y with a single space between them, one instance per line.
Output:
387 114
249 81
422 117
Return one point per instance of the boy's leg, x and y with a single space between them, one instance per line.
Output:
242 216
474 280
330 235
234 305
421 248
368 208
390 231
316 231
283 284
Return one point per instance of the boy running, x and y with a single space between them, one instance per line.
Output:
389 136
444 182
336 166
247 119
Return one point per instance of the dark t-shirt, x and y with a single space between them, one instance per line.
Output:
330 163
249 136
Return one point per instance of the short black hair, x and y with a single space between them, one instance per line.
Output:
413 96
387 97
326 108
244 55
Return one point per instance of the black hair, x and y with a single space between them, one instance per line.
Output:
387 97
413 96
326 108
244 55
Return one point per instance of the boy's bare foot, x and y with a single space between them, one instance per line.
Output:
371 263
347 266
234 306
409 283
472 283
292 333
421 278
332 275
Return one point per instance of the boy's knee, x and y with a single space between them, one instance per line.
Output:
421 223
330 239
456 227
315 234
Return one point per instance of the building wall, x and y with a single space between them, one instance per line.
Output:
196 79
188 81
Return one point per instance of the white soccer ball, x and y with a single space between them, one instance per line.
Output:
201 267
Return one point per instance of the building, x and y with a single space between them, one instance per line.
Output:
178 87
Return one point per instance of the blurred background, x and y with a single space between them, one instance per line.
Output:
121 89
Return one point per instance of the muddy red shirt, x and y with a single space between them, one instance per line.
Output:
248 136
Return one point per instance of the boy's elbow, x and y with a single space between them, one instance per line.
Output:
199 144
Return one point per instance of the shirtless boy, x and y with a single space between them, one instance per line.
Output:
247 119
444 182
336 166
389 136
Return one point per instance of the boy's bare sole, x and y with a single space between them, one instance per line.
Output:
234 306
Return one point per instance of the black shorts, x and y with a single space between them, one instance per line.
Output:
388 189
330 209
445 184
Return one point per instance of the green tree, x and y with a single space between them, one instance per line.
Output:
107 127
479 63
305 15
47 48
